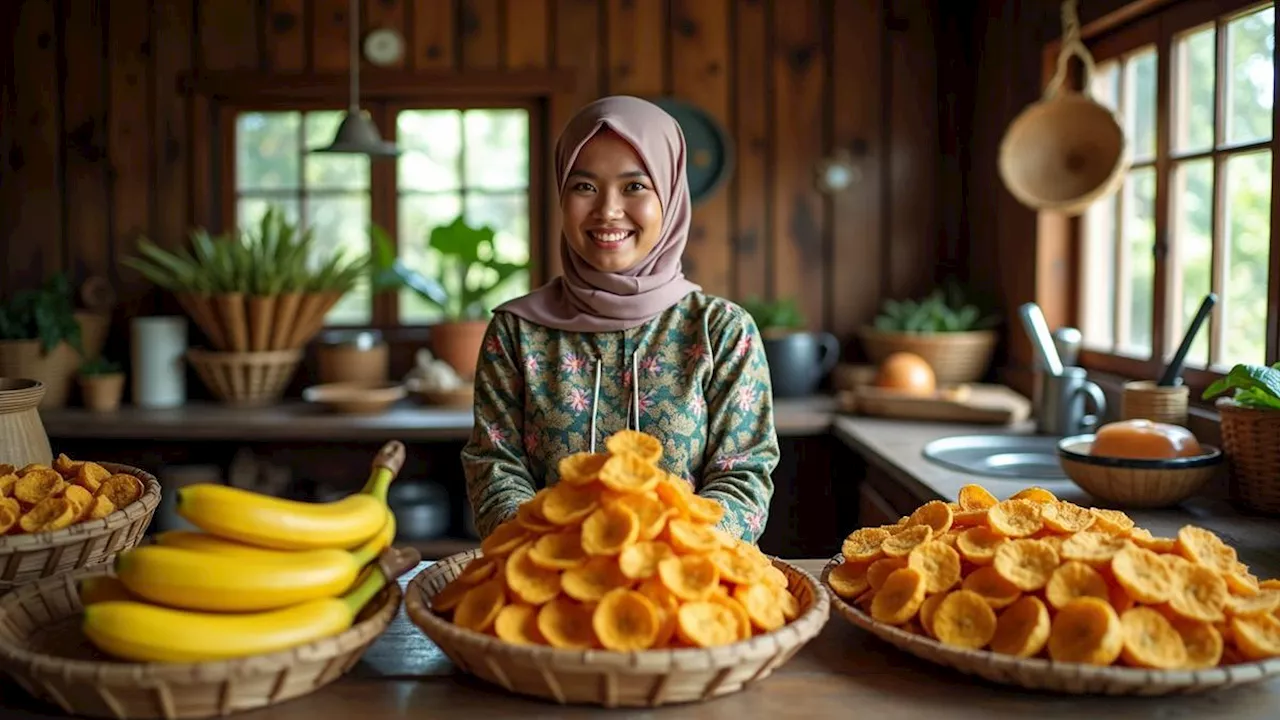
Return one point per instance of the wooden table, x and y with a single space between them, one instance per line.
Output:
843 672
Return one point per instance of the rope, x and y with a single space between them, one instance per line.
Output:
1071 45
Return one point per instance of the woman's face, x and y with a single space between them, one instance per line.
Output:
612 215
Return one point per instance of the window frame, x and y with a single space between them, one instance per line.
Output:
383 186
214 98
1059 237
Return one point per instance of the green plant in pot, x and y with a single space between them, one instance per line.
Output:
1248 405
798 359
264 289
101 384
40 338
465 276
952 334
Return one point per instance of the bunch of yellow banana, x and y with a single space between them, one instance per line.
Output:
262 574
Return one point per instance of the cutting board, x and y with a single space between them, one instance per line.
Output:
969 403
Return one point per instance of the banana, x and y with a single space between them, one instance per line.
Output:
282 524
208 542
243 579
142 632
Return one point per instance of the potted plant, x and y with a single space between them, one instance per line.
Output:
951 334
40 338
1250 427
258 296
798 359
466 273
101 384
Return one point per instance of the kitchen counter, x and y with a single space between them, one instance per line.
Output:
841 670
295 420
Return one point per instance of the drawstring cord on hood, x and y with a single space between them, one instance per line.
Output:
635 398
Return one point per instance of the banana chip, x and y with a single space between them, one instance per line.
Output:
1035 576
610 555
7 481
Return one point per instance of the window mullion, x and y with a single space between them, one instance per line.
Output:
1273 260
1218 265
1123 293
1164 313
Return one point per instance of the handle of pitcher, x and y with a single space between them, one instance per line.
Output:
830 352
1091 422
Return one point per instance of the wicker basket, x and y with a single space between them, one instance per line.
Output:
1134 482
1039 674
27 558
1251 440
42 647
247 379
956 357
615 679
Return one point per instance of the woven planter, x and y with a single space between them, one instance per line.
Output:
42 647
247 379
615 679
1251 440
956 357
27 558
1039 674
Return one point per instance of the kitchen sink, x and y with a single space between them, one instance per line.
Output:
1012 457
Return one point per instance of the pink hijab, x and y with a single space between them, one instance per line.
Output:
584 299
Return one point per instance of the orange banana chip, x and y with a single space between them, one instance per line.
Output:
902 543
1088 631
863 544
629 474
1022 628
976 497
689 577
991 586
529 582
640 561
898 600
1073 579
633 442
1142 574
978 544
625 620
559 550
1026 564
1150 641
880 570
592 580
518 624
567 624
936 514
480 606
569 504
964 619
1015 518
581 468
1035 494
706 623
1065 517
938 563
609 529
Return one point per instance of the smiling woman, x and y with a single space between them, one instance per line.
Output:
622 340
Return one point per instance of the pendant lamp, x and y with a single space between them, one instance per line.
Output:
357 135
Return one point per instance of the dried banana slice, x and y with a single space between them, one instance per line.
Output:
1022 628
964 619
1088 631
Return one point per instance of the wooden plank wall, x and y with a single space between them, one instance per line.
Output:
102 154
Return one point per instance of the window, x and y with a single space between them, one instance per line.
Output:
1194 212
472 161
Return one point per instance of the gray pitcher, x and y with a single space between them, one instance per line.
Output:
798 361
1060 403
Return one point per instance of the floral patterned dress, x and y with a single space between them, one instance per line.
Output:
697 375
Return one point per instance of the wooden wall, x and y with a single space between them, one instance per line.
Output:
96 135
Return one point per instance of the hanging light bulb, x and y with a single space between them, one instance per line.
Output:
357 135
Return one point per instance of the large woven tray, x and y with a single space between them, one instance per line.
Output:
44 650
1039 674
615 679
30 557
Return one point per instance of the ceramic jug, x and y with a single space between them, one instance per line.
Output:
22 436
799 361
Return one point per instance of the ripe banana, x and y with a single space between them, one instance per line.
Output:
208 542
242 579
142 632
282 524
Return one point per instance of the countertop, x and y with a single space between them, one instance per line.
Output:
295 420
842 672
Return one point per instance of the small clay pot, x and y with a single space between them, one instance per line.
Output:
102 393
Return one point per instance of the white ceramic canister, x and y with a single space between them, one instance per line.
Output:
159 374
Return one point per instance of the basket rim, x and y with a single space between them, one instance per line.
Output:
142 507
137 673
803 629
1066 450
1205 678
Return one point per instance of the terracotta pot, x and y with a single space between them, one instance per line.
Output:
102 393
458 343
55 369
22 436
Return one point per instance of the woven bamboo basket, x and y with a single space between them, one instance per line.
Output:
649 678
27 558
956 357
1038 674
1143 399
1137 483
1251 440
247 379
43 649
